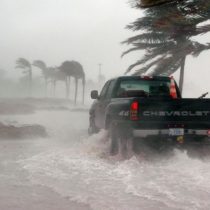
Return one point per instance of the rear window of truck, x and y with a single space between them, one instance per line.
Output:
140 87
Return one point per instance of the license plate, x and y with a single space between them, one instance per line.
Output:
176 132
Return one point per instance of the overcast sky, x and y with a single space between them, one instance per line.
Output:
87 31
58 30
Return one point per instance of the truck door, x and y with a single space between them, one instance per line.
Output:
104 100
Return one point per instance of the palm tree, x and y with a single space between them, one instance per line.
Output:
51 74
45 71
68 69
167 32
56 75
24 64
74 69
79 74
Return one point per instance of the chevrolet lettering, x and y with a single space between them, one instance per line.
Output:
176 113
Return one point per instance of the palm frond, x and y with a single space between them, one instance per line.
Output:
23 63
141 46
147 57
166 29
148 66
153 3
129 50
40 64
202 30
198 48
152 37
167 66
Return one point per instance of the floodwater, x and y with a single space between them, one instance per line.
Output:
69 170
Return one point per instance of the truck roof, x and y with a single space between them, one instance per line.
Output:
137 77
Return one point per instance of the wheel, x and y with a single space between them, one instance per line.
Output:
92 127
120 140
114 139
201 151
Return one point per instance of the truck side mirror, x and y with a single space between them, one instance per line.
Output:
94 94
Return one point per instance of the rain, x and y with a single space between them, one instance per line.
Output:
53 54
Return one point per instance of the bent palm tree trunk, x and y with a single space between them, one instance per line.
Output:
181 78
30 82
45 87
26 66
54 87
67 87
76 91
83 91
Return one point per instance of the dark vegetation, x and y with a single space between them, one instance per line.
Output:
166 34
21 132
51 75
24 106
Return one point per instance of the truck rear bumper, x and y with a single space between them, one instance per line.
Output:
166 132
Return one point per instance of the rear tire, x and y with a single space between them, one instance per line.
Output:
201 151
121 141
92 127
114 140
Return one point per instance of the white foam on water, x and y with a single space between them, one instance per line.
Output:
82 175
79 168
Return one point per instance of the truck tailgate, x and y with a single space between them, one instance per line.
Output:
191 113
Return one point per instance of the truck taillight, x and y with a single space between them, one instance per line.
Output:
134 110
173 92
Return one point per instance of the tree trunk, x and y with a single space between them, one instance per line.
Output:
54 87
83 90
181 77
76 90
45 87
30 82
67 87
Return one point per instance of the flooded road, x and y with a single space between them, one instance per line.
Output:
69 170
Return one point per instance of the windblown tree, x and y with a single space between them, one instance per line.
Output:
56 75
45 71
24 64
79 75
167 29
68 69
74 69
51 75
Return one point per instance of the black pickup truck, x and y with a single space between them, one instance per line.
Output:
136 109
